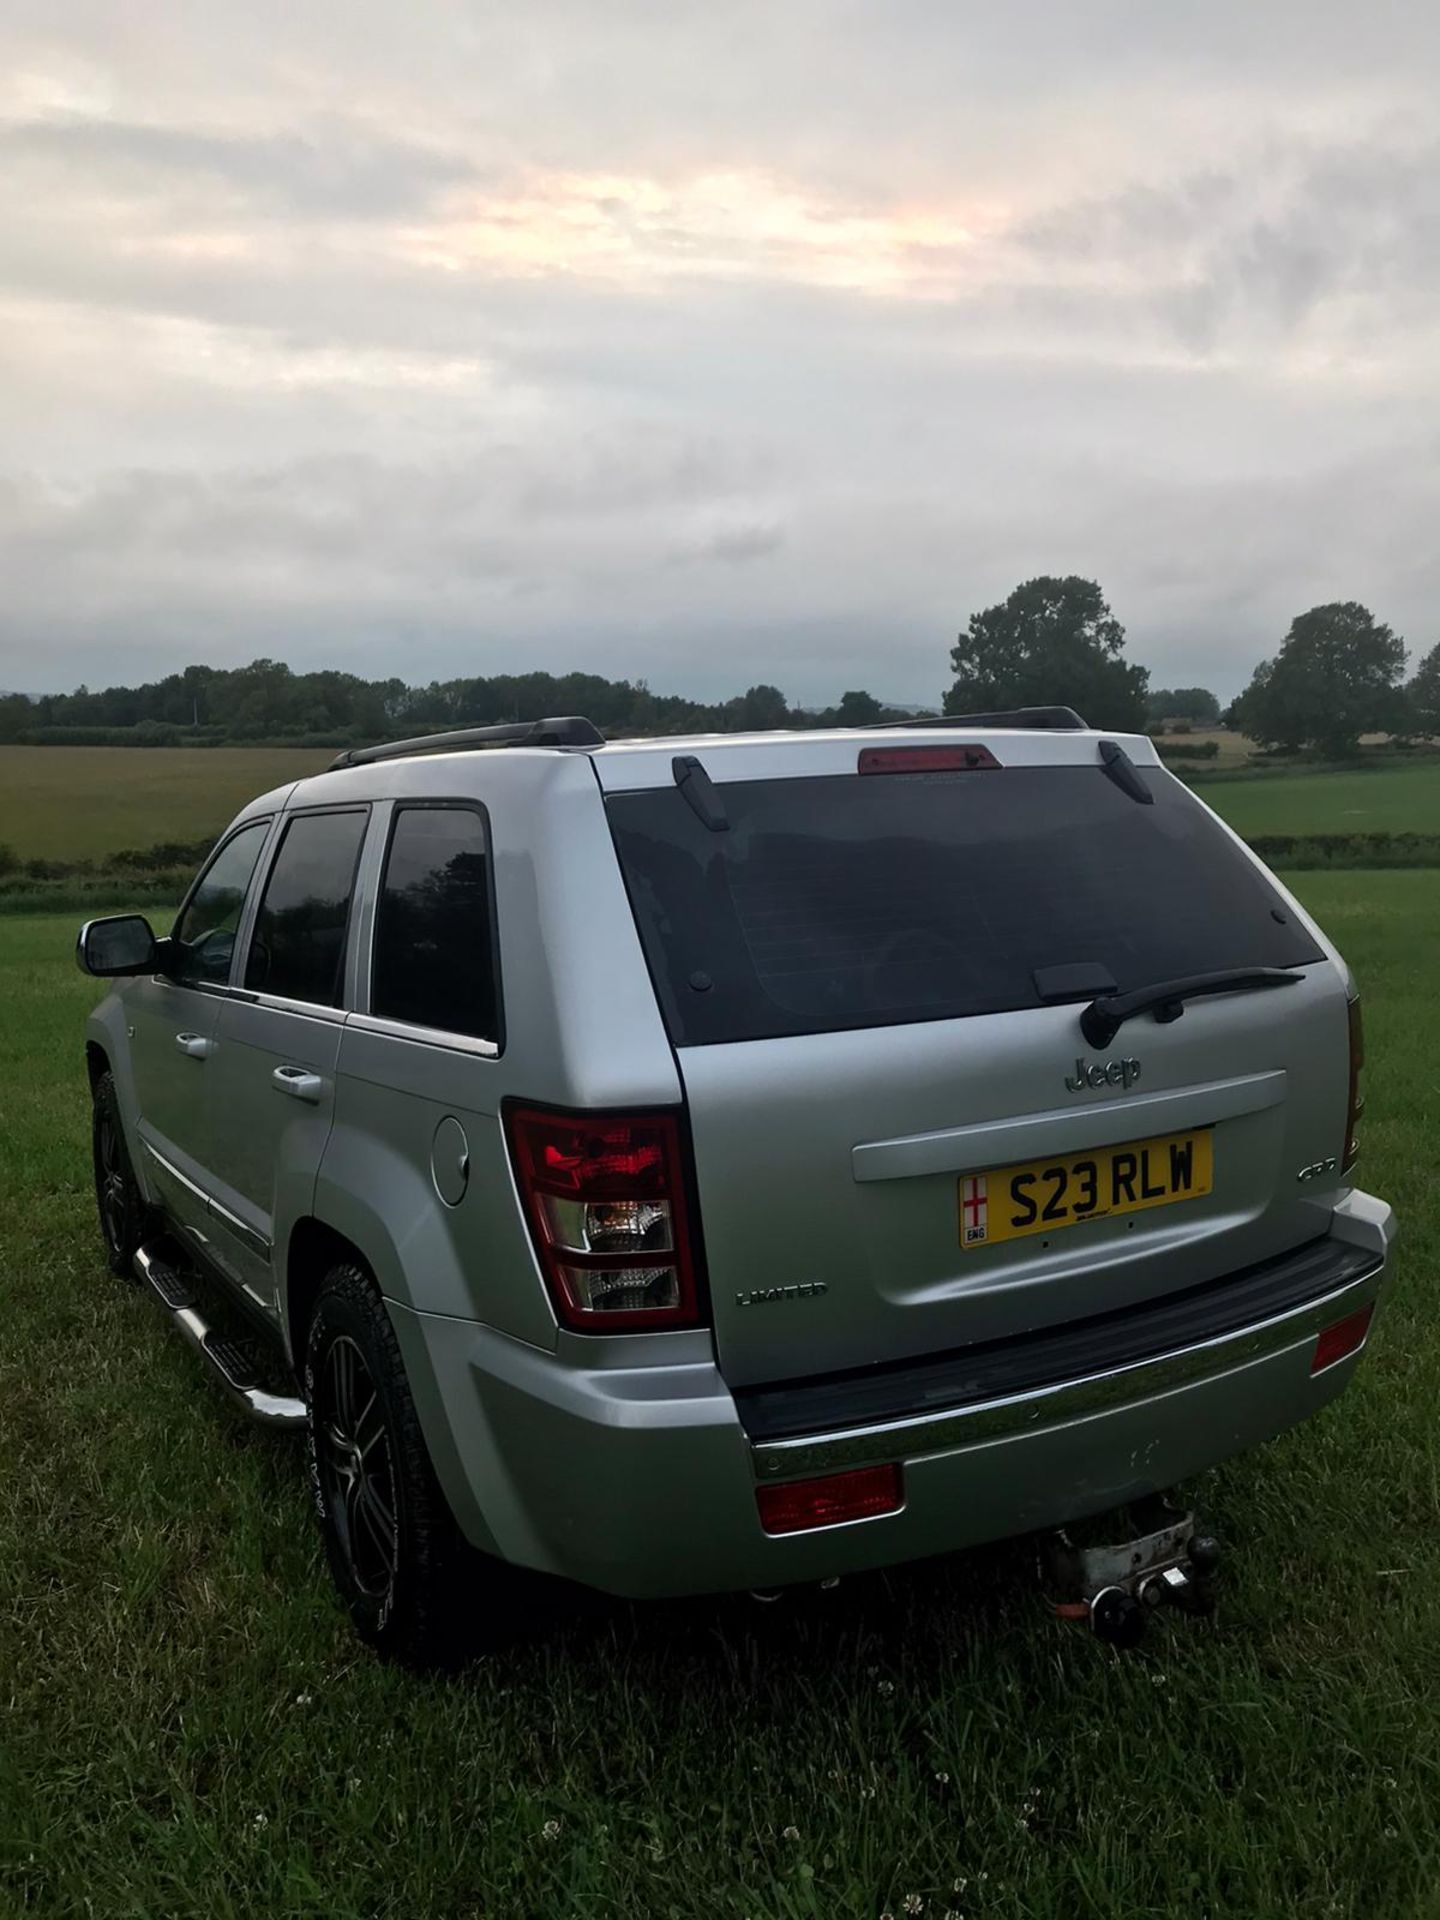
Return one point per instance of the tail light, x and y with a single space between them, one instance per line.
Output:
862 1494
604 1196
1356 1103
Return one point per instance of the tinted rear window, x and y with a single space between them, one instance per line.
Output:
856 901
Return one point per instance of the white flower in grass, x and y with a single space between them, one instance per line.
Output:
791 1833
912 1903
304 1699
550 1830
262 1819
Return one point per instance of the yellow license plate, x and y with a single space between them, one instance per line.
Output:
1043 1196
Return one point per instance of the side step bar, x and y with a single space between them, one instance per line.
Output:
222 1355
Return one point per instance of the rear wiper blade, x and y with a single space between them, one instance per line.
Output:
1103 1018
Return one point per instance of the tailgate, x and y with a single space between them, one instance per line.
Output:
903 1142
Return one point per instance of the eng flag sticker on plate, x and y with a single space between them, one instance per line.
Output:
974 1210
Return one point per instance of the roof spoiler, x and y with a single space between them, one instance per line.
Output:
568 731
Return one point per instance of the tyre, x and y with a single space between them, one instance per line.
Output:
118 1198
413 1587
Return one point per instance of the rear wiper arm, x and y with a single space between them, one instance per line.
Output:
1103 1018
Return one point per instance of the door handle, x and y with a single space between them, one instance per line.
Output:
299 1083
195 1044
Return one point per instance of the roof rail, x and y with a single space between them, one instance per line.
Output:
568 731
1041 719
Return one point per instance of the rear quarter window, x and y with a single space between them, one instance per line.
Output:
853 901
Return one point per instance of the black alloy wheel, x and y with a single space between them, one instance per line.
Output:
355 1467
118 1199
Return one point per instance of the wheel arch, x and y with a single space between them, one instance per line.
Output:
314 1249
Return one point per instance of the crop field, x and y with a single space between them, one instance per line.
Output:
187 1729
82 803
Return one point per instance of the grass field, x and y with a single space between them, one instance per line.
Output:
1404 799
81 803
71 803
189 1730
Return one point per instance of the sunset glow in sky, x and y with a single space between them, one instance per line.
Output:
709 344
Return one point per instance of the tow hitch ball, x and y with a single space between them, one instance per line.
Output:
1115 1586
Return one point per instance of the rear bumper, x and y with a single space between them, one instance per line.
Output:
640 1479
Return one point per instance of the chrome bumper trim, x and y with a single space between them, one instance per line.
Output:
1020 1414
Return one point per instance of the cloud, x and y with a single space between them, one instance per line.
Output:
715 344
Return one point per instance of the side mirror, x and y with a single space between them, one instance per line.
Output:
120 945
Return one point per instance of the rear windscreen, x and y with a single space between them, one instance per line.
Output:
867 900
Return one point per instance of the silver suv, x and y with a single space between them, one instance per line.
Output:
682 1166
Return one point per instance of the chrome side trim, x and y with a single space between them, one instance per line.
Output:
425 1036
169 1166
246 1235
268 1409
256 1242
1025 1413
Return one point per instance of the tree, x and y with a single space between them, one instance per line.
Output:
757 710
1195 704
858 709
1423 695
1336 677
1052 643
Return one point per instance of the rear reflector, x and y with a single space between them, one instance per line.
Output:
1343 1339
925 759
801 1504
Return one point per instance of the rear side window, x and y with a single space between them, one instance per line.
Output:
298 948
855 901
434 954
204 937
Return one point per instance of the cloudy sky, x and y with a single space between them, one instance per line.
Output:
763 339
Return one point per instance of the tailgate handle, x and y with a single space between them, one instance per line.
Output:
299 1082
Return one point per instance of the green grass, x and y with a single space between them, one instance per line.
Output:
81 803
186 1727
1404 799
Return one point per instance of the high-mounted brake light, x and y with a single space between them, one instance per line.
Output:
862 1494
925 759
604 1197
1355 1104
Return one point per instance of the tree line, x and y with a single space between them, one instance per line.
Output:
266 701
1338 674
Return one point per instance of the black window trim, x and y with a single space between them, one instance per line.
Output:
287 1003
370 1022
221 988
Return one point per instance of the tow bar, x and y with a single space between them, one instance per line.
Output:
1168 1561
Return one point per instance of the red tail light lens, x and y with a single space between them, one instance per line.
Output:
1341 1340
1356 1104
859 1495
604 1196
